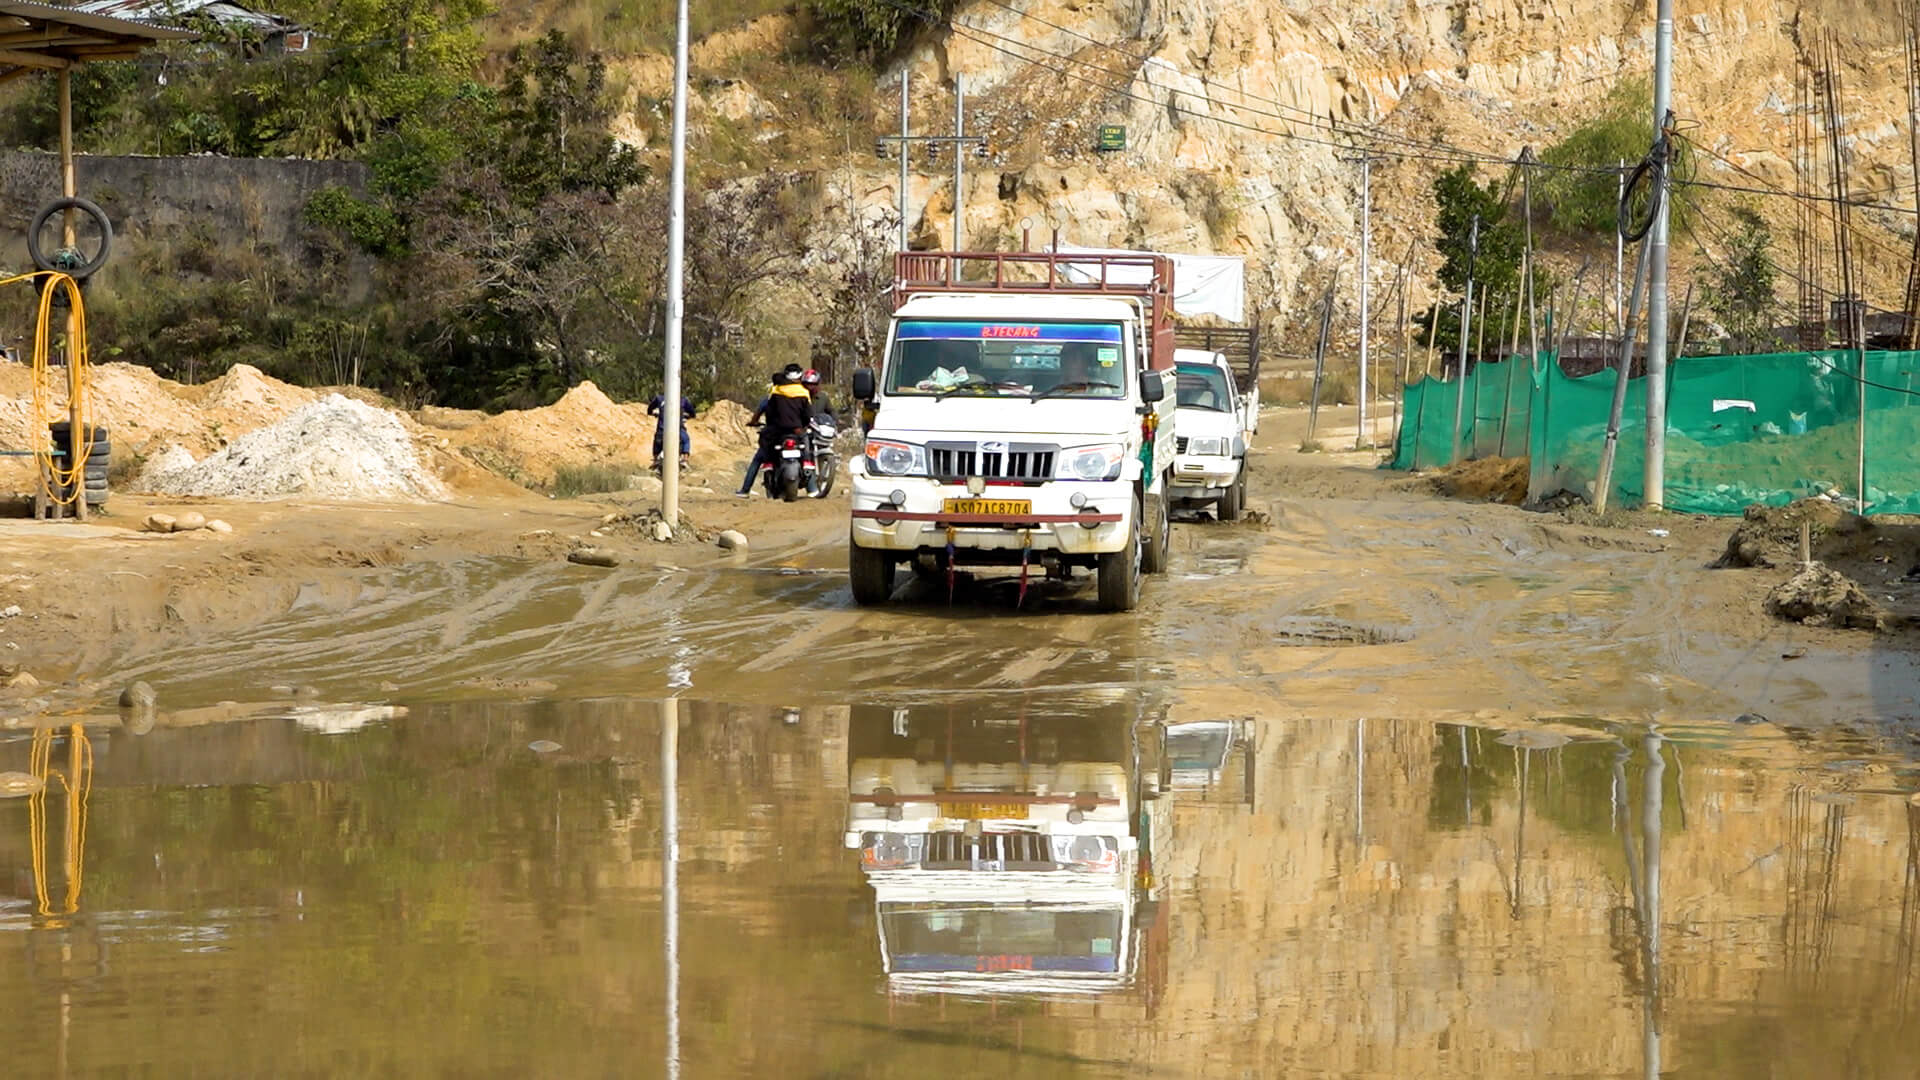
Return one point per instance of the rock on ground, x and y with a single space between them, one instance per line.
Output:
733 540
140 695
1822 596
593 557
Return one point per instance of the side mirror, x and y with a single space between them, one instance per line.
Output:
1153 387
863 384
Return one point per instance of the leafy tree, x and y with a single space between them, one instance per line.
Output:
1460 199
869 30
1580 191
555 110
1740 288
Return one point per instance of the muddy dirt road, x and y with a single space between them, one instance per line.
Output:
1415 787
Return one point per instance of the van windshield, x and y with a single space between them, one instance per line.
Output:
1202 386
975 936
1012 359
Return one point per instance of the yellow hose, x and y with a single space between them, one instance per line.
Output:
73 475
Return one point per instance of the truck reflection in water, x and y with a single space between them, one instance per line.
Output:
1010 851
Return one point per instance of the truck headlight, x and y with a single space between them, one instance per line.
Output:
1207 447
889 458
1101 461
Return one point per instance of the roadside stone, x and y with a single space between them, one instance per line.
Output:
14 785
611 519
189 521
11 611
588 556
733 540
140 695
160 523
216 525
662 532
23 681
1822 596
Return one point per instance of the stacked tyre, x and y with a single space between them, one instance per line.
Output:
95 474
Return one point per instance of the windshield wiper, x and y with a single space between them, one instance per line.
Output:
1081 386
976 383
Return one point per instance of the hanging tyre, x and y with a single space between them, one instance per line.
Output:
73 263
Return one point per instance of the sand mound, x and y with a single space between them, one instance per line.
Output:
586 426
334 448
1770 535
1501 480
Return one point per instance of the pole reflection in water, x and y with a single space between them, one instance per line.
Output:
1652 802
670 870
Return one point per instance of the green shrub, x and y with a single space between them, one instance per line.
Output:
572 481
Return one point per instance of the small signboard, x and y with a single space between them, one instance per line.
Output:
1113 137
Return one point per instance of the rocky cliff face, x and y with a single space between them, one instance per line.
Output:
1238 112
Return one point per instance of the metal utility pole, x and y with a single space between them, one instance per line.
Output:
676 269
1362 436
1466 318
959 161
906 78
1533 310
1619 254
1603 485
1656 464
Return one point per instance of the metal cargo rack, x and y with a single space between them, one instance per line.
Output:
1239 344
1044 273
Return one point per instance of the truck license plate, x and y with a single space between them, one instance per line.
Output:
989 506
983 811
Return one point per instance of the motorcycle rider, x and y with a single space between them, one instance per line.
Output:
657 407
821 407
786 412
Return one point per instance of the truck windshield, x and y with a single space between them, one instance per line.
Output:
1051 359
1202 386
979 937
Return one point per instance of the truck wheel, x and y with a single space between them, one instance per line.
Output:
1119 571
871 573
1234 502
1156 550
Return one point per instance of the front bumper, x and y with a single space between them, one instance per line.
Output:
921 523
1197 476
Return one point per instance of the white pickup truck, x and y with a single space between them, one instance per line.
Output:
1212 423
1021 419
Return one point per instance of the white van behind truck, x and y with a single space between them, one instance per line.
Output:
1210 435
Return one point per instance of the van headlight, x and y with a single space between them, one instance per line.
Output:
889 458
1102 461
1207 447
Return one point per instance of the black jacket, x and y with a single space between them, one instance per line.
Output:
788 414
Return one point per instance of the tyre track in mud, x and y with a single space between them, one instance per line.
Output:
1360 595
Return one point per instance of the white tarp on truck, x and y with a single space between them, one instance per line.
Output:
1202 284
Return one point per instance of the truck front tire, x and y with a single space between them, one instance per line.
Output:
870 573
1156 551
1119 571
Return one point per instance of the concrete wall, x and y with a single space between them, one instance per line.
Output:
246 201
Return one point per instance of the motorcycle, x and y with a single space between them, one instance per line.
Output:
785 474
825 463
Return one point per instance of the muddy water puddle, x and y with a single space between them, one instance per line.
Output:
1102 882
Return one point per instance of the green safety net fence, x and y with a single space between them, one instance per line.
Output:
1741 430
